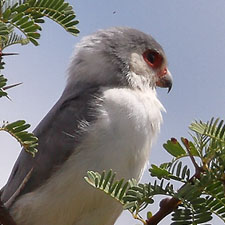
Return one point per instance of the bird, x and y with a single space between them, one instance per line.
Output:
107 117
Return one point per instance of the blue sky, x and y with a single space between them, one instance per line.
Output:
192 34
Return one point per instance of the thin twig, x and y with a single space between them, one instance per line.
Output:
187 146
19 189
198 169
5 217
7 54
11 86
166 207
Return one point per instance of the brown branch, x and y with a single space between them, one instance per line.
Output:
5 217
167 206
19 189
187 146
7 54
11 86
198 169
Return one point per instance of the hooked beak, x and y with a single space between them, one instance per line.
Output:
165 80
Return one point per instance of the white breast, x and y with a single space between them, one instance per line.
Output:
120 140
129 123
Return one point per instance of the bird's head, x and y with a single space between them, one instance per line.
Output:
120 56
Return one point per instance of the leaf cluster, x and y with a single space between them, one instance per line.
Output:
19 131
131 195
201 193
27 15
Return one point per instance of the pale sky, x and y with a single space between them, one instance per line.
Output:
192 34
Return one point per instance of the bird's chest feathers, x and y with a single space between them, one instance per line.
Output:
128 123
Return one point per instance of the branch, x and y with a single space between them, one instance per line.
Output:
187 146
7 54
19 189
166 207
5 217
11 86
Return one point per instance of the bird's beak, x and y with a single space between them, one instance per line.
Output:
164 79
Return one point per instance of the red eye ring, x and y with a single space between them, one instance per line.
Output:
152 58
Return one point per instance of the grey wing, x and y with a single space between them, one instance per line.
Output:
58 134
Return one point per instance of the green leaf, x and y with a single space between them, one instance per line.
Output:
73 30
102 178
58 4
90 177
23 20
111 188
118 187
129 205
174 148
193 150
107 178
31 28
68 19
16 17
4 30
6 14
3 81
3 94
149 215
70 24
123 191
39 20
34 35
22 8
159 172
178 169
15 124
26 25
33 41
63 6
21 128
129 198
57 10
17 129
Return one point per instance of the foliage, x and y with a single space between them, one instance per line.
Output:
18 131
26 17
200 196
20 23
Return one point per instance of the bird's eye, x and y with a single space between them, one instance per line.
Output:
153 58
